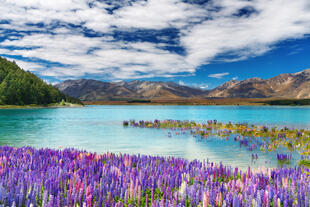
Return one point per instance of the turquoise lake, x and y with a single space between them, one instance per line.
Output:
99 129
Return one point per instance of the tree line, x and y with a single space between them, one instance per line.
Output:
19 87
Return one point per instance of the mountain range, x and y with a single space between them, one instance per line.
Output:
93 90
294 85
288 85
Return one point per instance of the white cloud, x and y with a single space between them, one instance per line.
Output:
50 82
245 37
138 60
28 66
158 14
206 33
181 83
203 86
218 75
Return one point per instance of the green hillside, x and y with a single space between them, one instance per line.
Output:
19 87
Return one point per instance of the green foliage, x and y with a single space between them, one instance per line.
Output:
62 103
18 87
304 163
289 102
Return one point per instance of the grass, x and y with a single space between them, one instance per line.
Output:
304 163
289 102
189 101
32 106
206 101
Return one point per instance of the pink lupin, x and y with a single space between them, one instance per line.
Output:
139 195
266 199
205 199
146 200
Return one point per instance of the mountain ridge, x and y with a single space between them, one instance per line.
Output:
93 90
286 85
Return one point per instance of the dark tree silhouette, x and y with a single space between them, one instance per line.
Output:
18 87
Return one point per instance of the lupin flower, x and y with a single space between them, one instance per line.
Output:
88 179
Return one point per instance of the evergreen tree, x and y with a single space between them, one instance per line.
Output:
18 87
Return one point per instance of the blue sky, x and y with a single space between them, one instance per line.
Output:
198 43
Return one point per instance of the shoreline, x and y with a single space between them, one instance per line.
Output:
40 106
176 102
208 102
185 102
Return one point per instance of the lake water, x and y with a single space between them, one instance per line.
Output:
99 129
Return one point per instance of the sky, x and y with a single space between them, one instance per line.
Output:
199 43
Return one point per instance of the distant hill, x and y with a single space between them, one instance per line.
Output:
296 85
93 90
18 87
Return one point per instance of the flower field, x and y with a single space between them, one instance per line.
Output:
47 177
